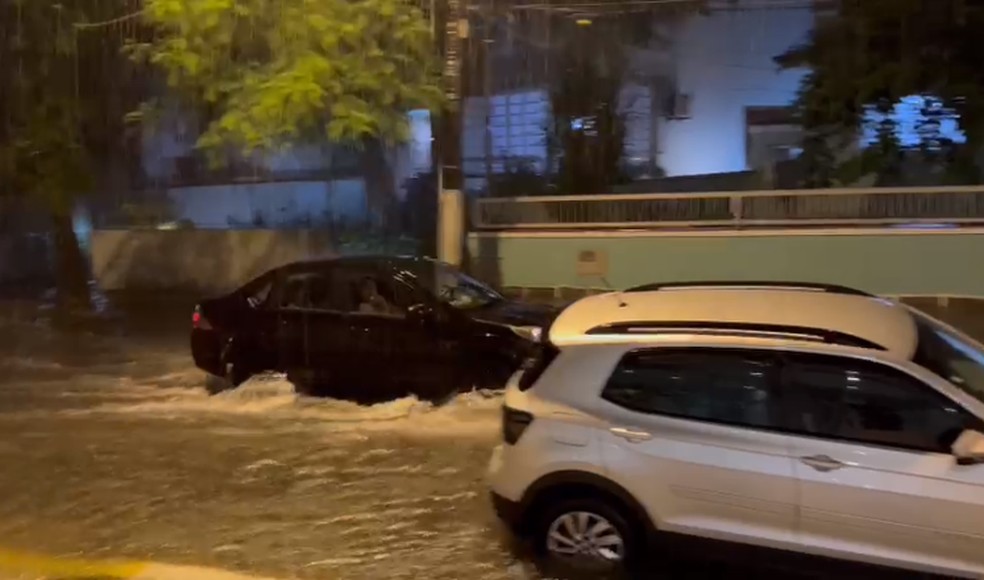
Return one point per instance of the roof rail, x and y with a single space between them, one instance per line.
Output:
736 328
769 284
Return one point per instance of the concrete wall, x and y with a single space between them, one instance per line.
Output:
885 261
204 260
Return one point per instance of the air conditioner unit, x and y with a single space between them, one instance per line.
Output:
678 106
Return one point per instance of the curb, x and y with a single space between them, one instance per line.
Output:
24 565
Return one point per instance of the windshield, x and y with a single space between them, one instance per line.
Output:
950 356
462 291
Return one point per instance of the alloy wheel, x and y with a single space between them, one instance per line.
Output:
585 535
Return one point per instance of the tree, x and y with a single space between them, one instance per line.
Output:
55 141
271 74
871 54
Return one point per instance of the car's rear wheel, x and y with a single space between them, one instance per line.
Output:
587 538
234 372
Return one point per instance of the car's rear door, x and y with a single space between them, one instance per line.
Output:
329 336
697 435
292 314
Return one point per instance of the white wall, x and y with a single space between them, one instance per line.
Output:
297 159
219 206
724 61
174 137
170 137
413 157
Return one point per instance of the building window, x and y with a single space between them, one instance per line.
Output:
517 123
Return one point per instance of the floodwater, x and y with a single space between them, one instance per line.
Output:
114 448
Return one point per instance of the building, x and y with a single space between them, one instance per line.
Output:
705 98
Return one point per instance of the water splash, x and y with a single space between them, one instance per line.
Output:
272 397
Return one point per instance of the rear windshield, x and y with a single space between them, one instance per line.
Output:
534 367
950 356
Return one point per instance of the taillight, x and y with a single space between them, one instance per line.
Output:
198 320
514 424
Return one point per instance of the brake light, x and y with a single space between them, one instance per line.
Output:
514 424
198 320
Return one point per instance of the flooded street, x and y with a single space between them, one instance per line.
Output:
110 446
131 458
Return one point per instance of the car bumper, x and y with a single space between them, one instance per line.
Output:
206 351
509 512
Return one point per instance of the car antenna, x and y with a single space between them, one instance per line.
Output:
617 293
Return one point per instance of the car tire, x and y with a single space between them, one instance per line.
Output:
486 376
215 384
234 372
303 383
587 538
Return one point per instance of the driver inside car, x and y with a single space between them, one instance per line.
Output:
370 300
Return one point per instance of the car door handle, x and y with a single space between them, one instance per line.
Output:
630 435
822 463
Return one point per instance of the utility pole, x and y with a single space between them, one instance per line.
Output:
453 24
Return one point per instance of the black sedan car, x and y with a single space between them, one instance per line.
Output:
368 328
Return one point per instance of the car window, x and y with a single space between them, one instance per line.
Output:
868 402
463 292
294 292
307 290
719 385
364 290
319 292
257 292
949 356
449 285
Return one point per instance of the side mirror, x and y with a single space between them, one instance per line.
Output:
969 447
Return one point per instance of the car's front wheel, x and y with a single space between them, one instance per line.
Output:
587 538
485 375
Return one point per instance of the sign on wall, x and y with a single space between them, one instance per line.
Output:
592 263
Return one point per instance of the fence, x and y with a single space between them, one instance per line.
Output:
882 206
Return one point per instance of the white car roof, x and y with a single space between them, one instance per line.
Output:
869 319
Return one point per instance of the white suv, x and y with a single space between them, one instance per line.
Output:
805 417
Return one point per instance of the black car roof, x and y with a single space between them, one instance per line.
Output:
380 259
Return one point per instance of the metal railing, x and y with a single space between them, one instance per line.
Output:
807 207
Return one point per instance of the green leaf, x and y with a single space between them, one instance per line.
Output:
279 71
